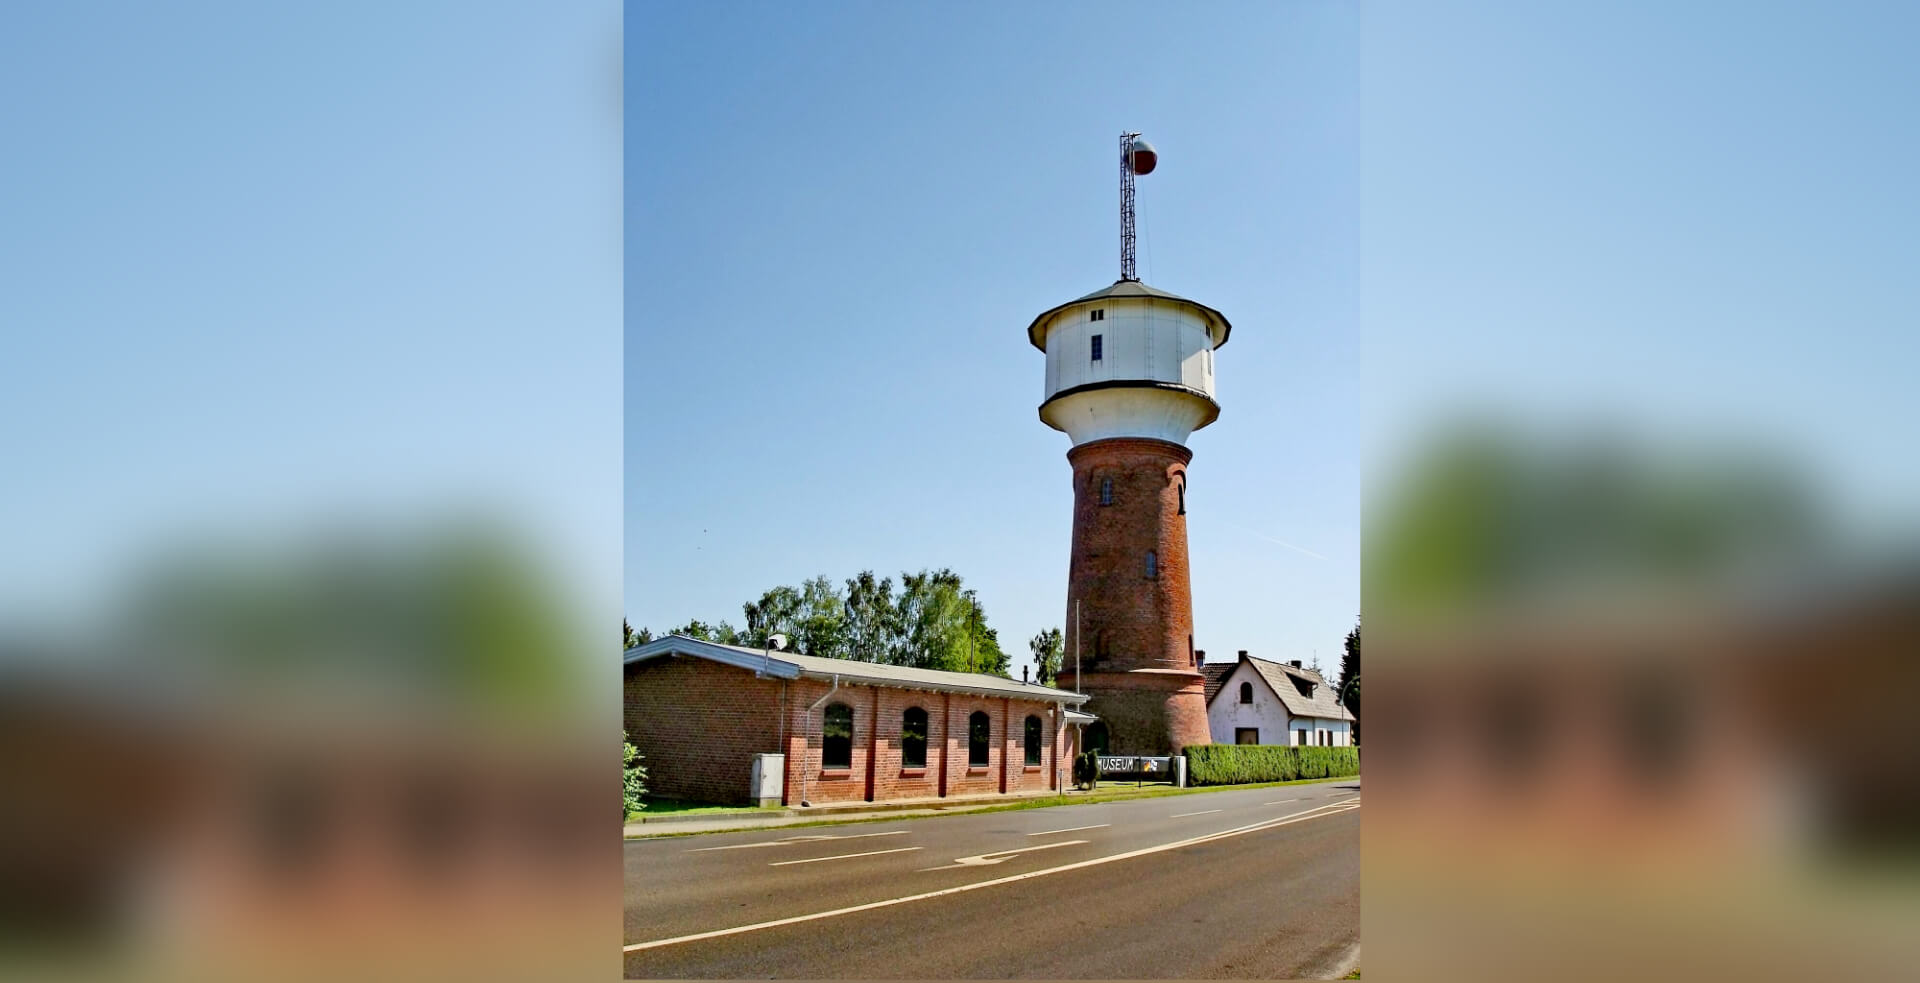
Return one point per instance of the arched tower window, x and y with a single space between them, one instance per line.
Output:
1180 484
1246 692
1106 491
1153 564
836 737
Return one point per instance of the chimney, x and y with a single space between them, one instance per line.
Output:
1295 663
1243 653
1023 675
1200 655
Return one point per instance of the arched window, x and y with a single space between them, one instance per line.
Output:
1246 692
1032 740
979 732
1106 491
836 737
913 738
1180 484
1153 564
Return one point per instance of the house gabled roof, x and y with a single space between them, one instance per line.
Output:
1279 678
1216 673
788 665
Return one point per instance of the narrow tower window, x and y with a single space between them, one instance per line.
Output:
1096 348
1153 564
1181 483
1106 491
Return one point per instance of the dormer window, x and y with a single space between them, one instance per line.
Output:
1096 348
1097 316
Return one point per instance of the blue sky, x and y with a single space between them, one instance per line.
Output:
268 264
840 219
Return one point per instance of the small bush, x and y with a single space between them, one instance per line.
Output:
634 778
1241 764
1086 771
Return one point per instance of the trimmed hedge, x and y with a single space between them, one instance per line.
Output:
1241 764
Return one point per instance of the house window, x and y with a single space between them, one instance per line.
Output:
1246 692
1153 564
1032 740
1096 348
1246 735
836 737
979 731
913 738
1097 316
1300 738
1106 491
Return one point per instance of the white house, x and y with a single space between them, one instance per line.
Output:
1254 701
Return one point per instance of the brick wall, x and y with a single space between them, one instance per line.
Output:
699 724
879 712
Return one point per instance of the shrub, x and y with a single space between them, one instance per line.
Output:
1086 770
634 778
1240 764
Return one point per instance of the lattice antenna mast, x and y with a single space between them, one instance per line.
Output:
1136 157
1126 206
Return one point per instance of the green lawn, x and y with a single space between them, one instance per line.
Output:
681 807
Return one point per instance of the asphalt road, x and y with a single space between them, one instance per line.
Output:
1276 897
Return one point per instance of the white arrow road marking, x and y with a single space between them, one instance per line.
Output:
1318 812
1000 855
795 840
846 856
1184 815
1074 829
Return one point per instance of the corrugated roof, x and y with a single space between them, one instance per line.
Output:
1125 288
789 665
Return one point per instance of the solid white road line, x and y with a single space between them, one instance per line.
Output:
1320 812
1278 801
1074 829
796 840
846 856
1206 812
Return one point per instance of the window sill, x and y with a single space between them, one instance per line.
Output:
913 773
1030 769
978 769
836 773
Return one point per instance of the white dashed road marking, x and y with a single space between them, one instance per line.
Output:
846 856
1204 812
1074 829
797 840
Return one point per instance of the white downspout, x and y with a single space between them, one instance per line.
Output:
804 804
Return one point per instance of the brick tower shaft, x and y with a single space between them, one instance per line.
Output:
1129 575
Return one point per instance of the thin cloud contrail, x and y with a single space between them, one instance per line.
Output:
1278 542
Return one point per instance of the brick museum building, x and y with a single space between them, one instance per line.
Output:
721 723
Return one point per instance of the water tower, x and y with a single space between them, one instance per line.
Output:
1129 376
